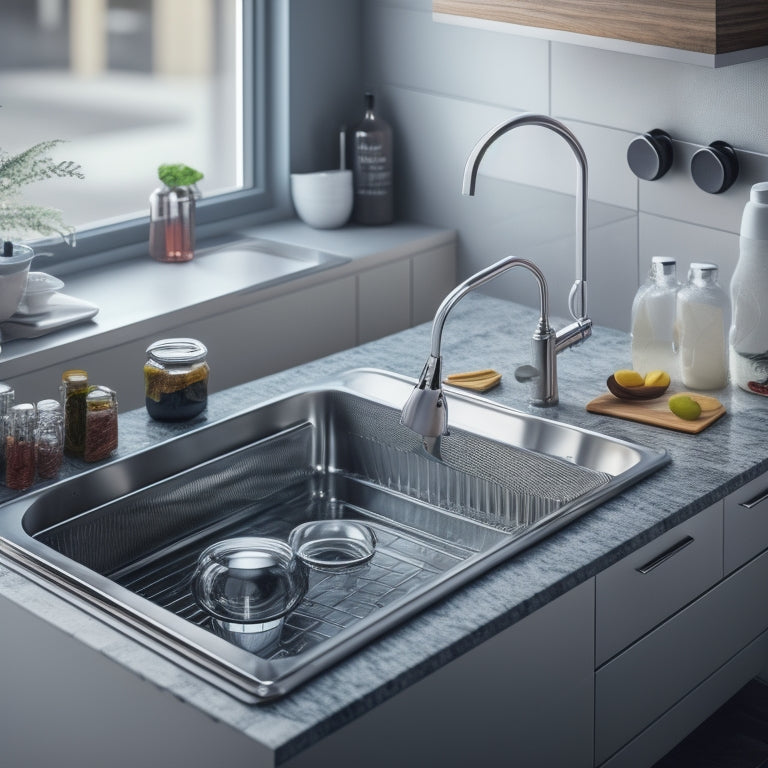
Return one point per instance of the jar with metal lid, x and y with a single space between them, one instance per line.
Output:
100 424
7 399
74 388
20 447
49 438
176 379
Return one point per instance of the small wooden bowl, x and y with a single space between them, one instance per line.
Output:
634 393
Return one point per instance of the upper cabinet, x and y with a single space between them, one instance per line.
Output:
706 32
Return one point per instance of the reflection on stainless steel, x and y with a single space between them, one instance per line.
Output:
124 539
426 411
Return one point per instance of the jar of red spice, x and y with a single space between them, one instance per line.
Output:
20 447
100 424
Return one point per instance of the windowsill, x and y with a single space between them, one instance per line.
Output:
139 297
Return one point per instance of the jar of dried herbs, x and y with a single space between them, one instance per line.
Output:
20 447
176 379
74 389
49 438
100 424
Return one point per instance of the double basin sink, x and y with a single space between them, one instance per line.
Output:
123 539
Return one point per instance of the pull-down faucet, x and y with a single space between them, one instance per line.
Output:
425 412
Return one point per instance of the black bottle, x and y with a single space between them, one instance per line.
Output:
372 169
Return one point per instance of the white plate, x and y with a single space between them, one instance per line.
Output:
60 312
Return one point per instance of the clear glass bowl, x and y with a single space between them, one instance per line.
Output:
248 585
333 545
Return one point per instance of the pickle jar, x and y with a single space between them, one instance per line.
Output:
176 379
100 424
74 388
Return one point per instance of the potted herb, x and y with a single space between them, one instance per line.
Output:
20 219
172 214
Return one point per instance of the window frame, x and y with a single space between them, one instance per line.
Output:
218 214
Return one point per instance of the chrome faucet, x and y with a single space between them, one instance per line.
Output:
426 411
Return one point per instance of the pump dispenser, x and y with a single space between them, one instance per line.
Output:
372 168
748 339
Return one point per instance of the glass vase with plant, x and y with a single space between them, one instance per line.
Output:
172 214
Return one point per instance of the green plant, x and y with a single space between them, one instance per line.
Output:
22 219
178 175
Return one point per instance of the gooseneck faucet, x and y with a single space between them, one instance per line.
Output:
426 411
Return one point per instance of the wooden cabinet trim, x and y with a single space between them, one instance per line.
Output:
703 26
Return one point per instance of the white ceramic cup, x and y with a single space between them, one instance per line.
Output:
323 200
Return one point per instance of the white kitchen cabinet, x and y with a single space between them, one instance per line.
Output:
522 698
641 684
699 650
657 580
746 523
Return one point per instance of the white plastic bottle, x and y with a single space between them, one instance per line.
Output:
702 322
653 319
748 357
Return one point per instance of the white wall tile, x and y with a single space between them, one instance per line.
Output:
676 195
637 93
408 49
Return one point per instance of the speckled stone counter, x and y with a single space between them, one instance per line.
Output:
481 332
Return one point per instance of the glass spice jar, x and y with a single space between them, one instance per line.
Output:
100 424
20 447
74 388
7 399
176 379
49 438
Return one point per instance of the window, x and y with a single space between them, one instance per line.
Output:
131 84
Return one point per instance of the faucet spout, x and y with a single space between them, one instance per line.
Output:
577 299
426 411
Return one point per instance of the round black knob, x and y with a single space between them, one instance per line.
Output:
715 168
650 155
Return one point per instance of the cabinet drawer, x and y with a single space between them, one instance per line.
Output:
649 585
638 686
746 523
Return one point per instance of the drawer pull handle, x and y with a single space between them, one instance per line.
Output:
665 555
754 502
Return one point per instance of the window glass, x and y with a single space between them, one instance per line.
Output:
128 84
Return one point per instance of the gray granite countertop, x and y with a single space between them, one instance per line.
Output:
482 332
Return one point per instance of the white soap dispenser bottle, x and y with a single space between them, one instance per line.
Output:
748 355
653 319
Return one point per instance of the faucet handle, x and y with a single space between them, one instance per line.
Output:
577 299
524 373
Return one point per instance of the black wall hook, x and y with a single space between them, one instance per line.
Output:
715 168
650 155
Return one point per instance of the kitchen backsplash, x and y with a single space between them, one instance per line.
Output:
443 86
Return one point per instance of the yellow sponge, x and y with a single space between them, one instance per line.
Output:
479 381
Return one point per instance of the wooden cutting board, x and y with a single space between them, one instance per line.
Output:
656 412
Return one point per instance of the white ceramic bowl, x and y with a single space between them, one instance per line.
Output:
13 278
40 287
323 199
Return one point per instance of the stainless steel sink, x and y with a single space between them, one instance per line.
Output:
123 539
